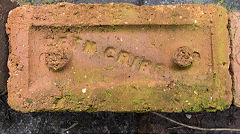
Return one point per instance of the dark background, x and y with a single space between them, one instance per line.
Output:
108 122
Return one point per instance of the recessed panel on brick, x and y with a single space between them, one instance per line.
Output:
119 57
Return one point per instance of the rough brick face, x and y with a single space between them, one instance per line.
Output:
234 23
119 57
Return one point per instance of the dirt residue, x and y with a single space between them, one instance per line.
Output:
57 56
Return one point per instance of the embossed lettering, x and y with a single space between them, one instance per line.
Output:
90 47
123 57
136 62
77 40
109 53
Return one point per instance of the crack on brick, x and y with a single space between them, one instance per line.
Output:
230 69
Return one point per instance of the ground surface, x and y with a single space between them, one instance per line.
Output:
15 122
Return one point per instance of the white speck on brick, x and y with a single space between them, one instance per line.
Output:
84 90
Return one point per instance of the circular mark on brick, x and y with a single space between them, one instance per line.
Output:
56 57
42 57
183 57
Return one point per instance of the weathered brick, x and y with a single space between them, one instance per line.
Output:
119 57
235 66
42 2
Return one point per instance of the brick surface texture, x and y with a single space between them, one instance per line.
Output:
234 30
119 57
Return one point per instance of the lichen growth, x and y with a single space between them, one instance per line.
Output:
141 99
110 68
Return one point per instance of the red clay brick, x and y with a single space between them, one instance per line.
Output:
119 57
235 25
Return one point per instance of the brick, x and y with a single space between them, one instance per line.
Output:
42 2
119 57
5 7
235 66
